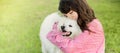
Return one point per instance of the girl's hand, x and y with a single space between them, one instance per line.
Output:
54 32
55 29
55 26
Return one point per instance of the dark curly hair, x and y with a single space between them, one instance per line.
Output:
85 13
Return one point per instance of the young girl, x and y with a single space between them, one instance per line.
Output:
91 40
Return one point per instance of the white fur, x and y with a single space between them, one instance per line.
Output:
46 26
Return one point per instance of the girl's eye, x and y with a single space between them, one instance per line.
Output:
65 15
71 12
70 25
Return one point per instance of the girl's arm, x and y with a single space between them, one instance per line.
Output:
85 42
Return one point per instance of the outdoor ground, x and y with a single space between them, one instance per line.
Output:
20 23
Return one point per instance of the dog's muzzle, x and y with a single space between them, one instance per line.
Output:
63 30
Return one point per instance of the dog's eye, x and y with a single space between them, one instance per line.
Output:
70 25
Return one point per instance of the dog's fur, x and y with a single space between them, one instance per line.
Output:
69 26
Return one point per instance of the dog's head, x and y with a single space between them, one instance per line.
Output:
69 26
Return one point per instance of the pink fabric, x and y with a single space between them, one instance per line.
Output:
86 42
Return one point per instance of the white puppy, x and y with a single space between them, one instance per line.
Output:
64 25
69 26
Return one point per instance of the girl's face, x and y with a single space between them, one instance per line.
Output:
72 15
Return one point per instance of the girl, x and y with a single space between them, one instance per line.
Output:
91 40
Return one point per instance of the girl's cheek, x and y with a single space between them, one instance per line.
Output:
75 17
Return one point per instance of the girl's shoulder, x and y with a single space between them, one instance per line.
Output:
95 25
94 22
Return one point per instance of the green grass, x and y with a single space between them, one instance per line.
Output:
20 23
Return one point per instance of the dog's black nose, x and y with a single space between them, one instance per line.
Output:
62 27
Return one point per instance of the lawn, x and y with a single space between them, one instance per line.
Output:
20 23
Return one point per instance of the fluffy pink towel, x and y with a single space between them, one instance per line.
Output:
86 42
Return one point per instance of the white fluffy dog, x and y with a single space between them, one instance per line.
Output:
64 25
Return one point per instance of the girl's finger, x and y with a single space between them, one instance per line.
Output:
55 26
